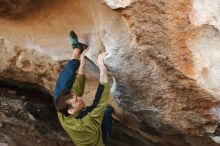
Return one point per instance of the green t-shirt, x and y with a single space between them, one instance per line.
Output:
87 131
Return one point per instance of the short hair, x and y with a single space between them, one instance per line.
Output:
61 105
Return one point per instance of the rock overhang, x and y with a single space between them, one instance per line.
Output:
161 72
44 28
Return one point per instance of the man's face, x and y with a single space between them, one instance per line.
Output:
76 104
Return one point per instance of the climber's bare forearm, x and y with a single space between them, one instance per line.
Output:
103 76
81 69
103 71
82 62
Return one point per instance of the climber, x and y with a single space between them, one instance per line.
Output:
86 125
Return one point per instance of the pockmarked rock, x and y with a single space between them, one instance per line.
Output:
163 57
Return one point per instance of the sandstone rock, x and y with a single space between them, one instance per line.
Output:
163 57
10 8
205 12
3 144
114 4
1 125
216 139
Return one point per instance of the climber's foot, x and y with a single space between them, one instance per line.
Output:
74 39
82 47
75 43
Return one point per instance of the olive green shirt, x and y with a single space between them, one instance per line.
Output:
87 131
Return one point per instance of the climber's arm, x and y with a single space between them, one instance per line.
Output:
102 93
79 82
82 63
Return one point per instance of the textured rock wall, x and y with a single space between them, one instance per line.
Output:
204 44
163 56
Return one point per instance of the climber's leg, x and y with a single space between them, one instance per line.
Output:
107 124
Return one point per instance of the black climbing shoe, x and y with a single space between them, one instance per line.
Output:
74 39
75 43
82 47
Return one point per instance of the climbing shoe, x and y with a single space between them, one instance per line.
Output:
74 39
75 43
82 47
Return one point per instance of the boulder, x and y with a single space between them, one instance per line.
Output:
163 57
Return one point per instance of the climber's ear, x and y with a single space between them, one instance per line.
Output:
71 111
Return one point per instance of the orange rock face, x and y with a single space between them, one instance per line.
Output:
163 57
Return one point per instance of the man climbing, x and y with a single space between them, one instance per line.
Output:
86 125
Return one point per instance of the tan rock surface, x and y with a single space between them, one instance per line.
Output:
163 56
